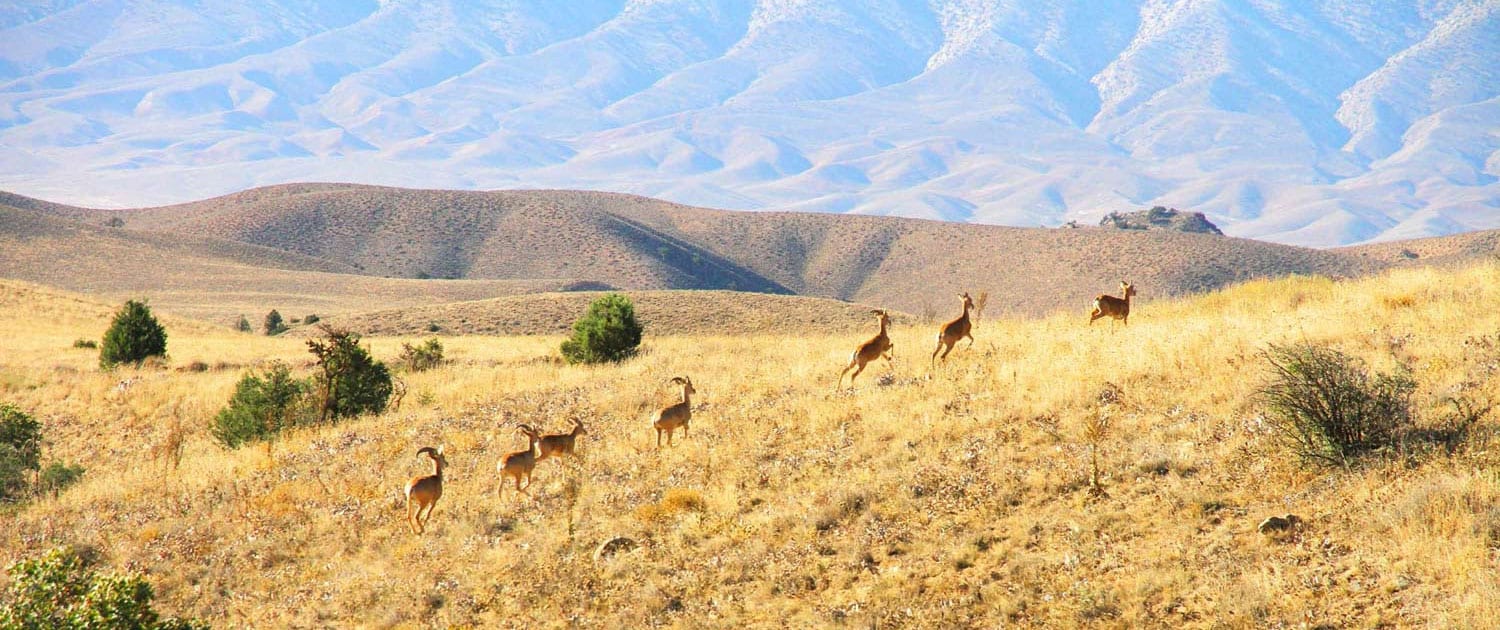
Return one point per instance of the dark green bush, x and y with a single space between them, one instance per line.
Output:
422 357
132 337
61 590
608 332
274 325
1328 408
262 405
351 382
85 343
312 318
20 450
57 476
243 325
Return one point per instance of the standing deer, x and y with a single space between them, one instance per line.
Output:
878 346
561 443
955 330
422 491
670 418
519 464
1111 306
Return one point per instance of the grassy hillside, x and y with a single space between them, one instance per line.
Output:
926 498
211 279
645 244
1453 250
661 312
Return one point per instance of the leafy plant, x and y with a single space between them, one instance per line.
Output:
262 405
61 590
133 336
422 357
20 450
57 476
1328 408
274 325
352 382
85 343
243 325
607 332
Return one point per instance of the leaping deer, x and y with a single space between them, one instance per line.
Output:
955 330
1111 306
878 346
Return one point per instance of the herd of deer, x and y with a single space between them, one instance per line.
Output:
422 492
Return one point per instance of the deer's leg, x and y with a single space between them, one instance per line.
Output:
856 374
411 516
971 339
658 437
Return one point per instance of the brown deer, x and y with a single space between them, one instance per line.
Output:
561 443
519 464
955 330
1111 306
668 419
878 346
423 491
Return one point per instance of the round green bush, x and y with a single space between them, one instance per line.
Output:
608 332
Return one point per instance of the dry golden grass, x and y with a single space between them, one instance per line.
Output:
660 312
948 498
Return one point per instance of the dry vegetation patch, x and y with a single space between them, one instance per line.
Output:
971 494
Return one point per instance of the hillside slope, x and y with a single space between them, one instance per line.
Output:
644 244
959 496
212 279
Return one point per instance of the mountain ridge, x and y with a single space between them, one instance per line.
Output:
1325 123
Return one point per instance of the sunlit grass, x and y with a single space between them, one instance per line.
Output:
950 496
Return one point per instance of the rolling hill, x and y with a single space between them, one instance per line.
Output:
637 243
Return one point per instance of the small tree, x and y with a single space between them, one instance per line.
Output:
422 357
262 405
20 450
61 590
134 335
608 332
352 382
274 324
243 325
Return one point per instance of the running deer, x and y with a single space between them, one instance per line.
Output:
668 419
561 443
955 330
519 464
878 346
1111 306
423 491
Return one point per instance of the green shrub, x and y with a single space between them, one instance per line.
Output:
85 343
422 357
351 382
61 590
608 332
57 476
1328 408
243 325
262 405
274 324
20 450
312 318
132 337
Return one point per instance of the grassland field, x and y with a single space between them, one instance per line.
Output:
950 496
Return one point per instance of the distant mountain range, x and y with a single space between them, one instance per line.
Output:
1319 122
